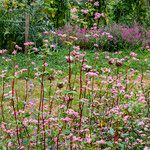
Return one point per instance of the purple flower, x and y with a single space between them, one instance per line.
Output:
101 142
97 15
148 34
96 3
67 119
91 74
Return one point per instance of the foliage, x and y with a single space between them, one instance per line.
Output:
94 102
12 20
47 15
128 11
59 96
111 38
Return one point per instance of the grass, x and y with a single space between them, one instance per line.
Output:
57 59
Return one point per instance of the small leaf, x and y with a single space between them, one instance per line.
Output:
69 92
111 131
3 148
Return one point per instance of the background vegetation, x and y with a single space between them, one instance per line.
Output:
46 15
83 81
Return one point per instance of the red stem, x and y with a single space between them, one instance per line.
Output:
13 105
2 108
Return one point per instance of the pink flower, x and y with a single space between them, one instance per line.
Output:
46 33
23 70
88 140
141 123
72 112
67 119
134 58
46 45
142 99
16 66
110 36
45 64
127 96
73 38
147 47
10 144
102 14
62 35
33 63
96 3
133 54
37 74
62 106
84 11
14 52
35 49
66 98
77 48
3 51
69 59
146 148
96 45
53 46
97 15
126 106
74 10
2 75
18 47
21 147
126 118
74 17
45 41
101 142
91 74
28 43
95 35
74 139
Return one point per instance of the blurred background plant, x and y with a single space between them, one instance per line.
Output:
43 15
113 37
49 15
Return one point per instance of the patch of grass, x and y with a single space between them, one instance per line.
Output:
57 59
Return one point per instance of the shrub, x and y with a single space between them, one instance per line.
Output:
111 38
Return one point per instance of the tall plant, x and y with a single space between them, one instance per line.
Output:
43 14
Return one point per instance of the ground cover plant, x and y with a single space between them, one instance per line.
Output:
86 105
78 80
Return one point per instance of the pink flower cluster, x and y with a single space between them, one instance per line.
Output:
29 43
72 112
98 15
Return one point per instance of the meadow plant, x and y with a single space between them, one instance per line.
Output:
86 107
110 38
90 107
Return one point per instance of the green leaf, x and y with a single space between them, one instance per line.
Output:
112 131
10 77
69 92
124 135
67 132
4 148
25 142
110 144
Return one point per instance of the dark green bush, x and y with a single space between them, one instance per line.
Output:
44 15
